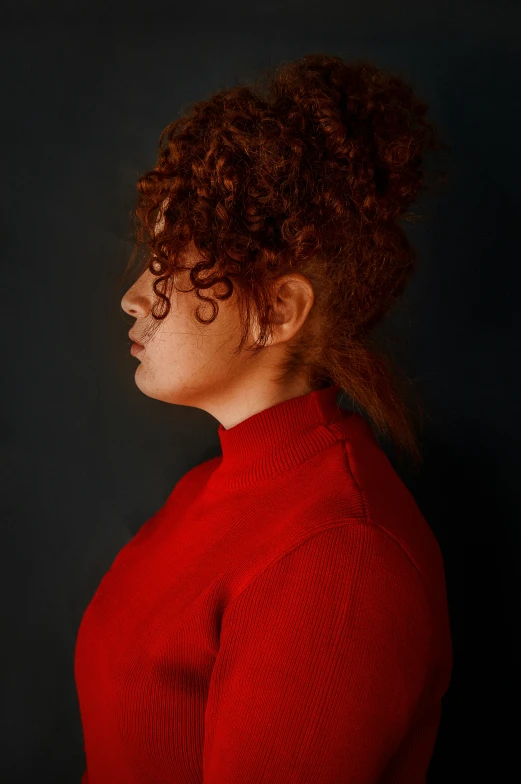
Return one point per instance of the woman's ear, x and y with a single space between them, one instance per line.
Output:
294 298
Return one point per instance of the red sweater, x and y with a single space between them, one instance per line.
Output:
282 618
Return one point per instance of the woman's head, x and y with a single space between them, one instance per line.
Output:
275 206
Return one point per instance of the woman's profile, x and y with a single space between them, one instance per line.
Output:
283 616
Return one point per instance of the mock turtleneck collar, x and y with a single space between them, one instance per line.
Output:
277 438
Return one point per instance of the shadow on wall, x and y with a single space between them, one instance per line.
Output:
463 492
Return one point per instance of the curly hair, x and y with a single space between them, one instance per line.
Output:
306 170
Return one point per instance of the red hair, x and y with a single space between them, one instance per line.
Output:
306 171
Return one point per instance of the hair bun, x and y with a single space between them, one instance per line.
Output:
371 123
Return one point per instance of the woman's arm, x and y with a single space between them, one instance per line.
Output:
323 659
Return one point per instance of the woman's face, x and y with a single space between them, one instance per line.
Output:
195 364
184 361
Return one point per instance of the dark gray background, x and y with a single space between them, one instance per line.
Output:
88 458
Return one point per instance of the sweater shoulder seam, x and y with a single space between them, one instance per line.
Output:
343 522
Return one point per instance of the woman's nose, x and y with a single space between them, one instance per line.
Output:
135 301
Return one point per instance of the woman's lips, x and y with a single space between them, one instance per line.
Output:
135 345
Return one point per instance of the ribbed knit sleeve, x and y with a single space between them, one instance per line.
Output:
322 661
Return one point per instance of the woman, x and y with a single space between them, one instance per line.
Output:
283 616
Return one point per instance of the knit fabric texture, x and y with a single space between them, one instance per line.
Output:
281 618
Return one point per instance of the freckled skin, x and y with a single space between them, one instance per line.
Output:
193 364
